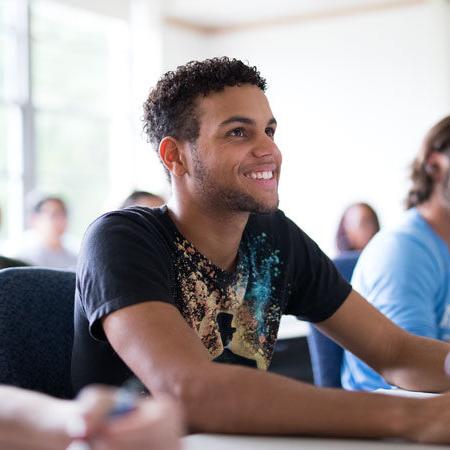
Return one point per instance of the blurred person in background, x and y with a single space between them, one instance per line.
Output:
358 224
34 420
44 244
143 198
405 271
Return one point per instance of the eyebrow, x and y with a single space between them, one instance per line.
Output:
246 120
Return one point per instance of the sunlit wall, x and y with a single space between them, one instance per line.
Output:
353 96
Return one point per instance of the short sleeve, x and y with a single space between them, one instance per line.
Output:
124 260
397 274
318 289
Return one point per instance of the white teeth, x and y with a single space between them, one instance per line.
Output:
266 175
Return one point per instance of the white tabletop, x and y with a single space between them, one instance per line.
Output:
291 327
225 442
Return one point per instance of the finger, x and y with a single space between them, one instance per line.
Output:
93 405
148 414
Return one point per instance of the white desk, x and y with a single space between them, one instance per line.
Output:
224 442
291 327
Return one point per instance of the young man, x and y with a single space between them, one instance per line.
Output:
167 293
405 271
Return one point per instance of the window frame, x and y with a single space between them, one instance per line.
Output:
22 158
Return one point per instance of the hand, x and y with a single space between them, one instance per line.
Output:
153 425
429 419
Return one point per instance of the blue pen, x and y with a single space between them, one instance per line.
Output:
124 402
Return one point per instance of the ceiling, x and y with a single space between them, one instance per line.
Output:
214 15
229 13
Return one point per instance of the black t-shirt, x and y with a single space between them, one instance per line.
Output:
137 254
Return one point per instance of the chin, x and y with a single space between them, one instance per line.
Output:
239 201
264 207
267 210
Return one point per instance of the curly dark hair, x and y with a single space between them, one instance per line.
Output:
436 140
170 109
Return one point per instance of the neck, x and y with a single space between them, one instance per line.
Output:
215 233
438 217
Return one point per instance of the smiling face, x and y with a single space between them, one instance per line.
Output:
235 163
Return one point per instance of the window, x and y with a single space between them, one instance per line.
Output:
3 172
3 65
72 161
9 114
74 85
60 137
70 51
8 13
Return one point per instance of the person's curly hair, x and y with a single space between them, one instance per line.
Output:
436 140
170 109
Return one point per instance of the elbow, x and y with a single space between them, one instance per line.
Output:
188 388
182 386
200 394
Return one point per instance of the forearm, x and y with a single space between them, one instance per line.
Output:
30 420
419 365
403 359
233 399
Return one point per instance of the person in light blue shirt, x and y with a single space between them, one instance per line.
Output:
405 271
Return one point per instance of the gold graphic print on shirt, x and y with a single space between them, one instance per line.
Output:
230 312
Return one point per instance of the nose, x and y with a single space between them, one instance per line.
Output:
265 146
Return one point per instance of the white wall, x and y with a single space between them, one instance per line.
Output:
181 46
353 97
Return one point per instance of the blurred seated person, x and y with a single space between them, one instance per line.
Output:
143 198
358 224
44 244
31 420
405 271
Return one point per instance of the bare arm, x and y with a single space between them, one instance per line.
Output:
29 420
405 360
33 421
170 359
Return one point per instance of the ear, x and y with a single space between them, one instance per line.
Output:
437 166
172 156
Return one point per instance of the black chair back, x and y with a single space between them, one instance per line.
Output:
36 329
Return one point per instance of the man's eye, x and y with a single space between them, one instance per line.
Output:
237 132
270 131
